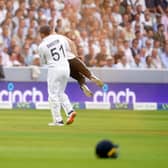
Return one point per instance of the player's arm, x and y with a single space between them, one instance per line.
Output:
72 47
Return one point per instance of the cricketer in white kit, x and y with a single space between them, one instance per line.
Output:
53 52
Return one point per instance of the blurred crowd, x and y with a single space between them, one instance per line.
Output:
120 34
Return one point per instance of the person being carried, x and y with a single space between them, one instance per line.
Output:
79 71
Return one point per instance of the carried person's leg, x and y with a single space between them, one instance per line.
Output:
78 66
81 80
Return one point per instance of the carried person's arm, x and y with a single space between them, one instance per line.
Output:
72 47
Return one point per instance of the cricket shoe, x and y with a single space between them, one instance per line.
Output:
71 118
97 81
52 124
86 91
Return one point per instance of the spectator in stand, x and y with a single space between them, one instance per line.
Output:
103 49
59 5
135 49
143 55
73 28
101 56
150 4
136 24
101 60
42 20
18 14
134 3
156 61
10 6
65 20
55 15
51 23
59 26
161 5
117 32
12 46
130 12
137 64
17 53
122 63
26 53
117 46
89 23
30 16
149 64
164 21
164 56
148 23
9 23
75 3
129 33
116 15
110 62
90 59
148 35
104 38
80 53
36 60
5 58
148 46
14 59
139 38
84 41
121 5
3 11
156 45
18 37
140 12
105 6
128 52
125 20
160 35
45 9
22 25
5 36
94 41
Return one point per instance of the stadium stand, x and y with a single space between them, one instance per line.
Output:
119 34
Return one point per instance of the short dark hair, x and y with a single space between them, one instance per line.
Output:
160 25
45 29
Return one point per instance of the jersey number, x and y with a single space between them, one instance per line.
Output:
56 54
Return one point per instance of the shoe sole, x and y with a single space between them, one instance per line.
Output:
71 118
55 125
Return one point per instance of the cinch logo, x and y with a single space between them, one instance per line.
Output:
12 95
164 106
107 96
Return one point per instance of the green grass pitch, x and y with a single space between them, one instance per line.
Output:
26 140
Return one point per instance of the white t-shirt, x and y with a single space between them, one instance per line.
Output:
53 50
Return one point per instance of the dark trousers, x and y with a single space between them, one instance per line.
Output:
79 71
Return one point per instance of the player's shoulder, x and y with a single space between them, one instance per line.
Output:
60 36
56 36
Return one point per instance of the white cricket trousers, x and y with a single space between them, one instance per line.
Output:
57 81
